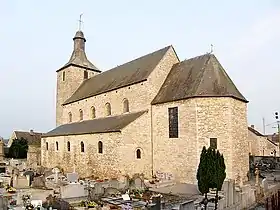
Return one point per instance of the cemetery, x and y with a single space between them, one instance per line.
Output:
51 187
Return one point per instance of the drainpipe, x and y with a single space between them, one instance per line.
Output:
152 142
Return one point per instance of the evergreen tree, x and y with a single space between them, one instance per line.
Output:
211 172
18 149
202 175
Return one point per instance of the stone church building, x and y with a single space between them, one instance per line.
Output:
151 115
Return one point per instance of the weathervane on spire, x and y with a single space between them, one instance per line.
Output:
80 22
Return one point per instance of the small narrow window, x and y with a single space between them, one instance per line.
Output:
173 122
138 154
56 144
108 109
100 147
213 143
125 105
82 147
70 117
68 146
81 115
85 75
63 76
92 112
47 146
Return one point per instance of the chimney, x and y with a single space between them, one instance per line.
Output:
31 132
253 126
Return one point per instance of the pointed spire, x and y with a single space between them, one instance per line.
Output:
78 57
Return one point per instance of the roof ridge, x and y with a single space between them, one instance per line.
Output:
135 59
203 72
198 57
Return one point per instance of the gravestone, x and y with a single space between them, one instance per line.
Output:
139 183
72 177
265 184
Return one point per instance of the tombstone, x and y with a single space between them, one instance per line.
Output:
138 182
188 205
72 177
230 196
265 185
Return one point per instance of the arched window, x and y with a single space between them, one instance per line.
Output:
56 144
100 147
108 109
82 147
47 146
70 117
138 154
81 115
85 75
68 146
92 112
125 105
63 76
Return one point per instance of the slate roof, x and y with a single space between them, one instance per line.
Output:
78 57
98 125
129 73
201 76
33 138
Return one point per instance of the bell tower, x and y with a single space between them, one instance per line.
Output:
72 74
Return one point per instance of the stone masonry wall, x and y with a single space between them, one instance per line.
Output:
118 157
240 156
199 120
74 76
137 135
86 163
139 95
34 155
175 156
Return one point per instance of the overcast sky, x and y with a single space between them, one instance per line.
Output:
36 40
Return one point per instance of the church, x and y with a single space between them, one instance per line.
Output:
151 115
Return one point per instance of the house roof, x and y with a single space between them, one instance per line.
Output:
98 125
257 133
129 73
201 76
33 138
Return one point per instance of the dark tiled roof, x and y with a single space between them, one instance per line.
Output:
201 76
98 125
129 73
33 138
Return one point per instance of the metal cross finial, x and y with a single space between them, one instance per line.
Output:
211 48
80 21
